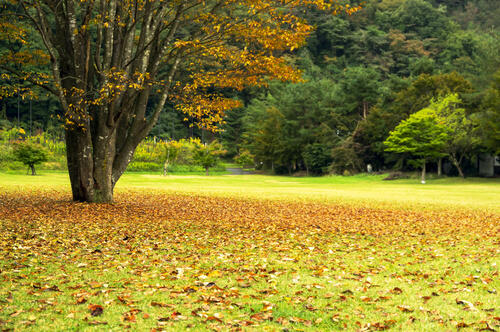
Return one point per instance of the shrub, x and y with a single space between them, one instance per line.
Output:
244 159
144 166
30 155
207 156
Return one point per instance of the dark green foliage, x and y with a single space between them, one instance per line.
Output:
345 158
488 119
317 158
280 126
371 133
421 18
232 131
359 90
30 155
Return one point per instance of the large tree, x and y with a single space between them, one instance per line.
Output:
108 58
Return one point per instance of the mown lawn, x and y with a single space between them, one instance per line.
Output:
361 190
251 253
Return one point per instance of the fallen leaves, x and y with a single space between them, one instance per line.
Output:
405 308
95 309
396 290
467 305
174 261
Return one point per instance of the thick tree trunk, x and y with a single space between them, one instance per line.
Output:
423 173
90 165
32 167
80 164
104 153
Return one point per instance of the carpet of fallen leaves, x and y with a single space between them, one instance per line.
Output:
174 262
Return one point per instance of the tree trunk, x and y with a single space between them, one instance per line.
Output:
365 109
206 171
32 167
440 166
80 164
423 172
456 162
165 168
90 165
165 164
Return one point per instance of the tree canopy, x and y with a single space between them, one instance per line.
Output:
422 136
108 60
355 78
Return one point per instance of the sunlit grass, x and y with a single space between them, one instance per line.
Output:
214 253
367 190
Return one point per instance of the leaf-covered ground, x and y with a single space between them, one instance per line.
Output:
174 262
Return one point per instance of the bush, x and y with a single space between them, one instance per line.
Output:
396 176
207 156
245 159
144 166
30 155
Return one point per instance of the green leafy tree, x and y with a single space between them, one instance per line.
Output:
422 136
345 158
279 127
172 151
396 106
30 155
461 139
207 155
245 158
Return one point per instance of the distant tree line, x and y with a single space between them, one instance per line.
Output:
394 63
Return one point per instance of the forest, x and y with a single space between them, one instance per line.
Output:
366 78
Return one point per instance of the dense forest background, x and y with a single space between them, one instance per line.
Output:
362 75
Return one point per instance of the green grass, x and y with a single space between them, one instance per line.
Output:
369 190
252 253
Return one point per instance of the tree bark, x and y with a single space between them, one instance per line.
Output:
456 162
165 164
423 172
440 166
206 171
365 109
80 164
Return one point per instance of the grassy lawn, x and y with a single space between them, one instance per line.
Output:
366 190
250 253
